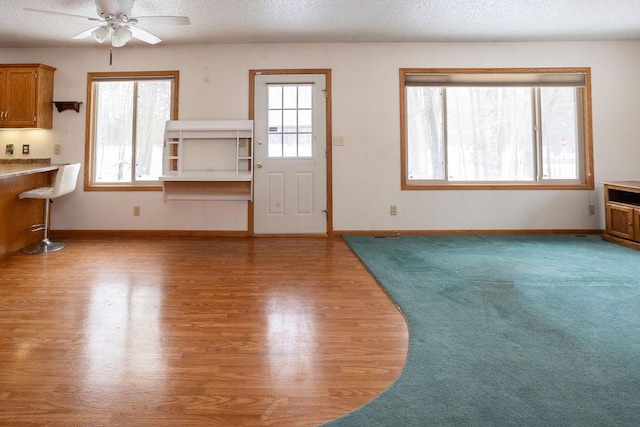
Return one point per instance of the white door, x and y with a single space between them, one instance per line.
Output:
290 159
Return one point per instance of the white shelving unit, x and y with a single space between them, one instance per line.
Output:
208 160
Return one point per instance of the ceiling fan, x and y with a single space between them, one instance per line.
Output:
116 22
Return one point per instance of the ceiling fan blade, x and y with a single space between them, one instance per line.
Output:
145 36
85 34
49 12
163 20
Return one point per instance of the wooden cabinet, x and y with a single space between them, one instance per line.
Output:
208 160
26 96
622 213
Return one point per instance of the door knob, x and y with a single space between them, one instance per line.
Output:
259 165
259 142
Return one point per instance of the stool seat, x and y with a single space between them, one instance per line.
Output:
64 183
37 193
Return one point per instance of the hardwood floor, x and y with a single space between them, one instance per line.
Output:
179 331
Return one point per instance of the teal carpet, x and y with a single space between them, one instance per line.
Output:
509 331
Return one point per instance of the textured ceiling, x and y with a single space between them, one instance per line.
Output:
300 21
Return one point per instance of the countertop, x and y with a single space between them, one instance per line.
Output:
13 170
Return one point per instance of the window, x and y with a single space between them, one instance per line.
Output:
126 119
290 120
486 128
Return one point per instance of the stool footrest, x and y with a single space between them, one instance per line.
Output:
36 227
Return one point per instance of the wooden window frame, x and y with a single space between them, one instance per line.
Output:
587 140
89 185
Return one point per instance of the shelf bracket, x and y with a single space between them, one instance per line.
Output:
67 105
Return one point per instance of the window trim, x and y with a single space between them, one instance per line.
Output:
587 142
92 77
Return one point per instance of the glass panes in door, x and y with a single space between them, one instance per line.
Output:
290 121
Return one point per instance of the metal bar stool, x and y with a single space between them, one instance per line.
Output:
64 183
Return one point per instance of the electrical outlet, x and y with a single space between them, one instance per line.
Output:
592 209
393 210
56 149
136 211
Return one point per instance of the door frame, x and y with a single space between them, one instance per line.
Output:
328 145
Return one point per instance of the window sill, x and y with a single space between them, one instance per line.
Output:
154 187
494 186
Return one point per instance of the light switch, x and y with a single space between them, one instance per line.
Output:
338 141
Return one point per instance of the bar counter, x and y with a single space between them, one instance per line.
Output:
18 215
14 170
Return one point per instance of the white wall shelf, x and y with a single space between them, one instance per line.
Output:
208 160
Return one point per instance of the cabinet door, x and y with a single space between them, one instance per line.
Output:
620 221
636 224
20 98
3 96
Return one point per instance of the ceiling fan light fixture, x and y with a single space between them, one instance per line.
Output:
120 36
100 34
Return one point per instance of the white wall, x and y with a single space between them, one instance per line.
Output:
366 170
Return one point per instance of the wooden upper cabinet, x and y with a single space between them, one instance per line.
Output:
26 96
3 95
